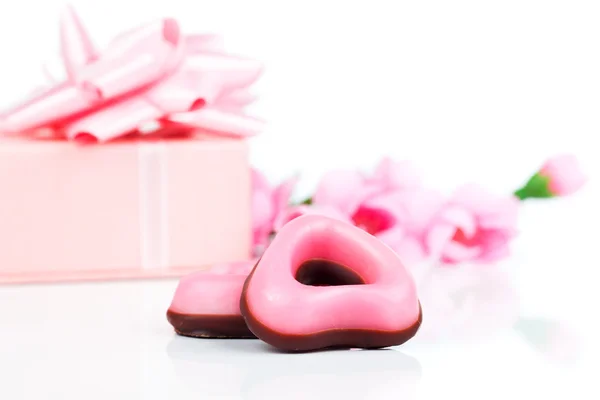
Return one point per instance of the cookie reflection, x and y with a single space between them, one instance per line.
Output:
251 369
553 340
466 302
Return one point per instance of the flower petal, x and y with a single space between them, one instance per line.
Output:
477 200
461 218
373 220
289 214
495 244
393 175
416 209
343 190
495 254
565 173
410 250
262 211
505 216
391 202
283 193
455 252
260 183
393 237
491 211
439 236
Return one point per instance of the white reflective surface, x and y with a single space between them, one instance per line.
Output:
524 330
470 90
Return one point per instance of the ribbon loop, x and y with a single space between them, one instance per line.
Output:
76 46
149 73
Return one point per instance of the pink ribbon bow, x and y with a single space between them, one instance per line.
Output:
150 74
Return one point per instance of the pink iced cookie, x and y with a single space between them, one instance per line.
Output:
207 303
325 283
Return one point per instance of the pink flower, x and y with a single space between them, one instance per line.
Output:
408 215
390 175
564 174
268 203
347 195
346 190
474 226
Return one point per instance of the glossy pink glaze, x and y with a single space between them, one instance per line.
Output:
213 292
386 302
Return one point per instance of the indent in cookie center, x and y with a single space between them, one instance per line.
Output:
319 272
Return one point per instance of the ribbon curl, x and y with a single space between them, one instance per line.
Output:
150 73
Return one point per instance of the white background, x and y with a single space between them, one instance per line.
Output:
475 90
471 90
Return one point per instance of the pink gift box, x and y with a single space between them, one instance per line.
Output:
121 210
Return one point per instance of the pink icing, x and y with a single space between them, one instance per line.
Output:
386 302
213 292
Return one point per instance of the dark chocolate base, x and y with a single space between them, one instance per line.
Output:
335 338
210 326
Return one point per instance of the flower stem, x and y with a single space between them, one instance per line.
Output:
521 194
536 187
307 202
